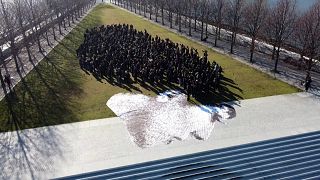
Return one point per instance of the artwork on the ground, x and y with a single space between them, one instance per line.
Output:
167 117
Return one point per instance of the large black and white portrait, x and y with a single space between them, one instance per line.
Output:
167 117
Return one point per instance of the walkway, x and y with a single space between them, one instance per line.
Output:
77 148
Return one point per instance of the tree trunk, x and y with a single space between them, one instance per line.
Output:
185 22
150 13
277 60
59 25
309 64
190 26
64 22
252 48
170 19
201 30
24 36
69 23
195 23
232 42
53 29
14 54
26 44
1 57
139 8
207 29
162 18
273 52
216 36
156 14
37 36
179 17
72 14
46 33
3 85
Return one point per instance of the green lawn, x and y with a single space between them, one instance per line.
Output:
57 91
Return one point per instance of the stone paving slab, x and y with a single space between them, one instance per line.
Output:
68 149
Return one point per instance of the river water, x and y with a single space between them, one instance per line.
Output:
302 5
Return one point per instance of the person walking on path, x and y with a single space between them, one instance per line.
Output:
7 80
308 81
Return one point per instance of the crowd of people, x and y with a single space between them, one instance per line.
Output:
120 52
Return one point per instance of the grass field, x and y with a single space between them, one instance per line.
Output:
57 91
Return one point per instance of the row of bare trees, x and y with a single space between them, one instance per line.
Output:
281 25
25 23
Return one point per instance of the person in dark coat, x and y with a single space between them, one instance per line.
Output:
7 80
308 81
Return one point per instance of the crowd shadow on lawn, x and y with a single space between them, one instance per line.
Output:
227 91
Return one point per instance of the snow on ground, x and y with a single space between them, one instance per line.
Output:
169 116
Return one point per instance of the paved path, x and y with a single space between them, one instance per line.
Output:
75 148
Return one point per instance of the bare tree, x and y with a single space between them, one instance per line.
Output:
135 6
156 8
204 14
234 15
50 7
178 11
170 7
19 8
43 16
255 15
196 6
7 12
46 19
2 40
217 7
56 6
34 20
139 5
162 6
150 6
145 3
280 25
306 34
188 13
3 85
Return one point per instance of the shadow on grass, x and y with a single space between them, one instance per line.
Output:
228 91
36 101
42 98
